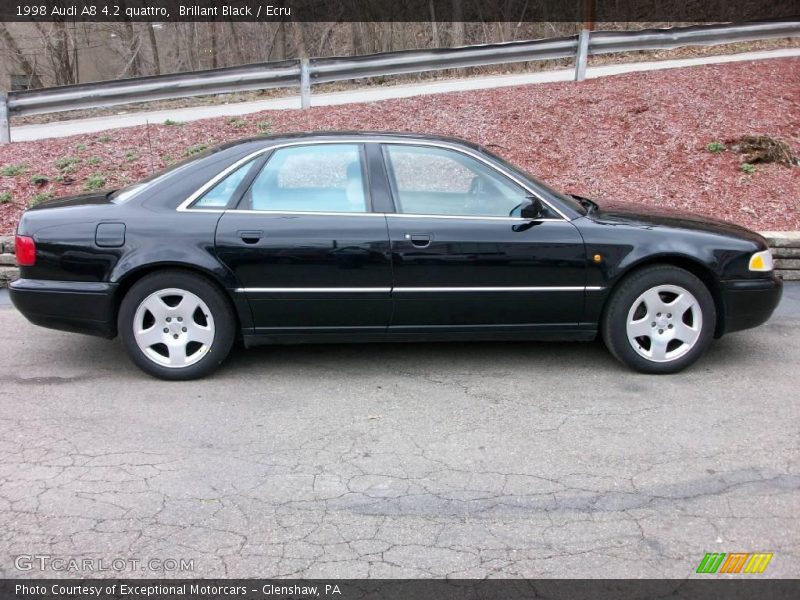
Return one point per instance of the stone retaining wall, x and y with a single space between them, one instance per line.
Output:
8 264
785 246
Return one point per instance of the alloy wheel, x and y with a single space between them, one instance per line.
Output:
664 323
173 327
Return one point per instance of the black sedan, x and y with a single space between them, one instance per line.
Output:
357 237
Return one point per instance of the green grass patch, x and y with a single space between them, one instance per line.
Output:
13 170
67 163
748 168
5 197
171 123
40 198
94 182
104 139
196 149
93 160
716 147
39 179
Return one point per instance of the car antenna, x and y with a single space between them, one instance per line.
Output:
149 144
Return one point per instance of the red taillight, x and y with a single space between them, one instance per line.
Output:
25 249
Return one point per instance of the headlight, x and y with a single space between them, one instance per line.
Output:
761 261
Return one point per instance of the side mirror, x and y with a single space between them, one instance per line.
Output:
534 209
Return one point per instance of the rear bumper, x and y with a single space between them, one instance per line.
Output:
81 307
750 302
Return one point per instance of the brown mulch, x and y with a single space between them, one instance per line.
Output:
638 137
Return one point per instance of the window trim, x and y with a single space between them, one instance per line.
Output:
185 206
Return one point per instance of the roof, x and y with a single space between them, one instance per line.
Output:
375 135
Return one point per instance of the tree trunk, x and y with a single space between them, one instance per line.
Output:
457 27
212 26
234 40
151 34
434 29
27 67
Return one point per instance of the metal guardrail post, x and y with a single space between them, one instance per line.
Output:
305 84
582 56
5 128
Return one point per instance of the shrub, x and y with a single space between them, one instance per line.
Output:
80 147
716 147
766 149
171 123
264 126
5 197
39 179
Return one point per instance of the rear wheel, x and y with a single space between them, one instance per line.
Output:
660 320
176 325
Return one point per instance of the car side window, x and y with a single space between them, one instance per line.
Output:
428 180
314 178
222 192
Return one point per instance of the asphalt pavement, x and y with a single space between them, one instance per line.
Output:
417 460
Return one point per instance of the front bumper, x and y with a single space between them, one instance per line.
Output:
81 307
749 302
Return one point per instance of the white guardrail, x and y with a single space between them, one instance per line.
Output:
305 72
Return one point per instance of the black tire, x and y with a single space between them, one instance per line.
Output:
221 317
614 322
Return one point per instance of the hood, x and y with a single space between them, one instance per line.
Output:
636 215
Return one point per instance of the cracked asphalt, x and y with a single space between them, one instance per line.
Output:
419 460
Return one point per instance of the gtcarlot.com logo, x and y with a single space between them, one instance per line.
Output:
734 562
45 562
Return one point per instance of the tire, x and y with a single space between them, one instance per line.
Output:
671 308
176 325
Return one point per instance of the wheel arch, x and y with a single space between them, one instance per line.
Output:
127 281
687 263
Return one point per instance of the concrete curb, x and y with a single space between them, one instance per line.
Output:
785 247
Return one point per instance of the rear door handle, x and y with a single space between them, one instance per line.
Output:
251 237
420 240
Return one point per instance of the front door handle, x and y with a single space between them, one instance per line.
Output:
251 237
420 240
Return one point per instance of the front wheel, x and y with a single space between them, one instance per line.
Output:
176 325
660 320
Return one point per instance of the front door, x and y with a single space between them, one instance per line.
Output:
310 256
464 259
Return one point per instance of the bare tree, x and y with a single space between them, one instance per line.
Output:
29 67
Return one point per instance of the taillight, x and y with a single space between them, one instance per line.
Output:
25 249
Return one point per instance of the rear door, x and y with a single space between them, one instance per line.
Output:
464 260
308 252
